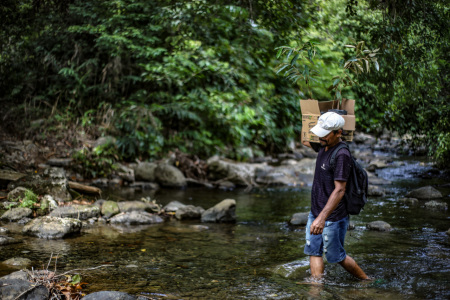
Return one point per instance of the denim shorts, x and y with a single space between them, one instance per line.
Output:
331 241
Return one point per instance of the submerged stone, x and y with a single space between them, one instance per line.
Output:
49 227
379 226
425 193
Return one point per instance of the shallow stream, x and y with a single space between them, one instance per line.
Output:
261 256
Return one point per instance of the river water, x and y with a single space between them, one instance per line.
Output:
261 256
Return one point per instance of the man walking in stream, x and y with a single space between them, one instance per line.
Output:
328 219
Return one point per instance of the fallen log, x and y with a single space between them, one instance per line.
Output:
84 188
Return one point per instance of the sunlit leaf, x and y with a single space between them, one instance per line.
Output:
350 46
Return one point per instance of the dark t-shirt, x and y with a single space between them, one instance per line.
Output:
324 178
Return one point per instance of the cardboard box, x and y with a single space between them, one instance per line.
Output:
311 112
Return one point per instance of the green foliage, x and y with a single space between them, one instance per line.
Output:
96 162
29 200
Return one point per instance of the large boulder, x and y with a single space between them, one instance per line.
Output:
12 289
136 218
425 193
53 182
224 211
81 212
145 171
16 214
49 227
189 212
170 176
241 174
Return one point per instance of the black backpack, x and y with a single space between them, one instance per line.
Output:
357 185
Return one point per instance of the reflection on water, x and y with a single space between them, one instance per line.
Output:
259 257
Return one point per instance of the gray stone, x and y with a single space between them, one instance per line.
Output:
136 218
104 140
9 205
226 185
189 212
11 289
81 212
22 275
425 193
17 194
173 206
409 201
18 262
49 227
109 295
15 214
52 182
241 174
129 206
377 164
376 191
436 205
299 219
145 171
4 230
6 240
109 209
170 176
48 201
224 211
125 173
379 226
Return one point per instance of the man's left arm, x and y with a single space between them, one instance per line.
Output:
336 196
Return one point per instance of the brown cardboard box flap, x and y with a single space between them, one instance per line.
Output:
309 107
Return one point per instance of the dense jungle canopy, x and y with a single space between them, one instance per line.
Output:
201 76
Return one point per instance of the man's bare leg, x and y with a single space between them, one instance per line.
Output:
352 267
317 266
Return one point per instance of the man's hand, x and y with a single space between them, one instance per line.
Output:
317 226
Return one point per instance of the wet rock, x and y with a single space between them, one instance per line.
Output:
109 209
22 275
294 269
374 180
377 164
6 176
436 205
15 214
136 218
129 206
52 182
24 221
17 194
109 295
299 219
189 212
81 212
287 175
18 262
170 176
241 174
4 230
48 202
409 201
6 240
379 226
351 225
125 173
145 171
425 193
173 206
376 191
224 211
49 227
11 289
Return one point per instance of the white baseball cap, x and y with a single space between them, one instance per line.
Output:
328 122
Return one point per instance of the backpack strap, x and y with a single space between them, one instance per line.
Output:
335 151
